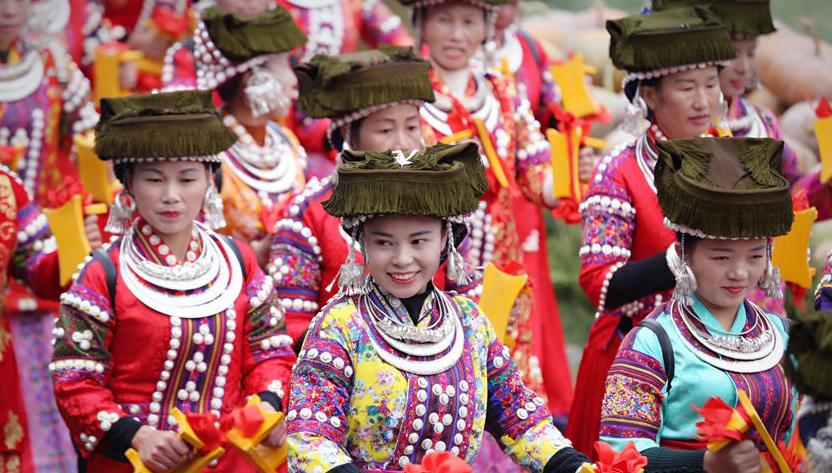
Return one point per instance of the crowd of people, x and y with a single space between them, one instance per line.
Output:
356 239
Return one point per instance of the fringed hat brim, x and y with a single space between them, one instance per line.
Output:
242 37
450 184
732 189
749 17
670 38
165 125
331 88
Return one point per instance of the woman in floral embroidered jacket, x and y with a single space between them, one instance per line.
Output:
726 199
309 245
171 314
245 58
624 271
472 104
747 21
393 368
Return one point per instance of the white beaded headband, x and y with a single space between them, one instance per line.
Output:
213 68
656 73
210 158
702 235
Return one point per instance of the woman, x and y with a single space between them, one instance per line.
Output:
747 21
393 368
44 101
623 265
171 314
808 367
309 245
28 254
246 59
726 199
453 32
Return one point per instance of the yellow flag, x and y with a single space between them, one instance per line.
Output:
790 253
499 291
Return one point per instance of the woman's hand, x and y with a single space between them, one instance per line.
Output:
261 250
92 231
586 163
278 434
738 456
160 450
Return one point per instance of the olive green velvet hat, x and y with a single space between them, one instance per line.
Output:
750 17
441 181
164 126
661 43
348 87
227 44
724 188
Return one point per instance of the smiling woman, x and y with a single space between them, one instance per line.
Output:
726 199
394 368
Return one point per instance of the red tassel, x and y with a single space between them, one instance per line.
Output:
440 462
629 460
206 430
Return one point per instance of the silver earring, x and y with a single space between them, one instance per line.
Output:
212 208
456 265
635 114
771 282
351 278
121 213
264 92
685 279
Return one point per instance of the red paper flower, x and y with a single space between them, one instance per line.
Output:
206 430
247 419
167 21
440 462
823 110
56 198
716 419
628 460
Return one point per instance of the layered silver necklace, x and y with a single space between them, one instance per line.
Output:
216 271
444 334
740 353
270 169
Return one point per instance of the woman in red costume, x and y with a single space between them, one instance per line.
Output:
171 315
624 269
511 139
44 101
27 253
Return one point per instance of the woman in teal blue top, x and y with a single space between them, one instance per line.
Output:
726 198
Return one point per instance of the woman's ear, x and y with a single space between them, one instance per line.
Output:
650 95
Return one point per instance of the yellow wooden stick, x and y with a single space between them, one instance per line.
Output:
823 132
186 433
67 225
94 173
570 76
773 449
491 153
499 291
264 458
456 137
790 252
